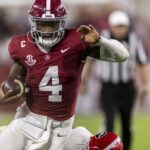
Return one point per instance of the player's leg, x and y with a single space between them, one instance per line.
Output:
21 111
2 128
78 139
59 138
51 139
60 133
11 138
50 134
41 143
108 105
25 133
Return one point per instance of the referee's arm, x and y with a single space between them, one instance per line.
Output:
142 62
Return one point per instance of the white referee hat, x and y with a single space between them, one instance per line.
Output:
118 18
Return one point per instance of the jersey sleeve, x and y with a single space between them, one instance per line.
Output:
13 48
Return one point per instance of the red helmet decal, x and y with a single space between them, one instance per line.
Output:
53 8
105 140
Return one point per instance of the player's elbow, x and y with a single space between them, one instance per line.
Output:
124 56
121 51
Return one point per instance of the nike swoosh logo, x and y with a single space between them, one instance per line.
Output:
65 50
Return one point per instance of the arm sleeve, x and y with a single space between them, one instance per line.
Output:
12 48
110 50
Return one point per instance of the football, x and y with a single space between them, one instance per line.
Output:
13 85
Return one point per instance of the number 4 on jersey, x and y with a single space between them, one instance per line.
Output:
55 88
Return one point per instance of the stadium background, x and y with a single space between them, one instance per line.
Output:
13 20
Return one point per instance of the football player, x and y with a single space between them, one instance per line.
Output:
50 59
81 139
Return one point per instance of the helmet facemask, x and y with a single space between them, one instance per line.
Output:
47 32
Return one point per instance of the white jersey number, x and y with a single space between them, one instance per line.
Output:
55 88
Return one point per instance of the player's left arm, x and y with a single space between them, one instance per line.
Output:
103 49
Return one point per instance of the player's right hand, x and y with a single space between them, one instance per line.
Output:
8 96
2 95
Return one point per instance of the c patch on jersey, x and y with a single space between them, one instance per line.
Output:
23 44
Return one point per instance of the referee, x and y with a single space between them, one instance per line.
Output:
118 80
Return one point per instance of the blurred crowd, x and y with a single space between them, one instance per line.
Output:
14 20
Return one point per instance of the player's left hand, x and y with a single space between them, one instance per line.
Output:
89 33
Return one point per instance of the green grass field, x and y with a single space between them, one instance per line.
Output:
141 128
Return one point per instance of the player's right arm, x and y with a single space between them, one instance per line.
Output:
17 71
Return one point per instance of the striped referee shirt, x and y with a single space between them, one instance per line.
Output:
123 72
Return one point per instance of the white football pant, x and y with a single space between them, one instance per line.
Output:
78 139
35 132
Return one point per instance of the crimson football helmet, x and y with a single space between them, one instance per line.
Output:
51 14
105 141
